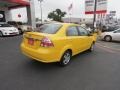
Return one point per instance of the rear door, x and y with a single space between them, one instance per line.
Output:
85 40
73 38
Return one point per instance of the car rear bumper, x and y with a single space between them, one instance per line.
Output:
40 55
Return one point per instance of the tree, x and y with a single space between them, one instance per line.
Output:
56 15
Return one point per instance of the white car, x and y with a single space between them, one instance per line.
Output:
111 36
7 30
25 28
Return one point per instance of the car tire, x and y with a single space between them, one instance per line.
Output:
91 48
20 31
1 34
108 38
65 58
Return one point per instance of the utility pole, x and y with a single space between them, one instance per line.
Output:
41 10
69 17
32 10
94 19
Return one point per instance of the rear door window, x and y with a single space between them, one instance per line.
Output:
72 31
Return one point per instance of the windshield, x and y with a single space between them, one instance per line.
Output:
49 28
117 29
5 25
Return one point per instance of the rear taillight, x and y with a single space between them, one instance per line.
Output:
46 42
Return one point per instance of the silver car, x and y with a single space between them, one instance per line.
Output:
111 36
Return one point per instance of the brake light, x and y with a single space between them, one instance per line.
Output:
46 42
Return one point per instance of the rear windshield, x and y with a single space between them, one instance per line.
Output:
49 28
5 25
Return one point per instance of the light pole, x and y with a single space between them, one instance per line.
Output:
32 11
94 20
41 9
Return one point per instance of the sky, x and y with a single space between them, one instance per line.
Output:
77 10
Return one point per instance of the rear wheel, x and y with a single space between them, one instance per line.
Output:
1 34
66 58
20 31
108 38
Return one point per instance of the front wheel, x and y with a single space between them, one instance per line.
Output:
108 38
20 31
91 48
66 58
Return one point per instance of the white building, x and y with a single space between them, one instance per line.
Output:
7 5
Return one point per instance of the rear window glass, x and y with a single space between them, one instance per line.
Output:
49 28
5 25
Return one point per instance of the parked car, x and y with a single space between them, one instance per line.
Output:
57 42
111 36
17 25
6 30
21 27
25 28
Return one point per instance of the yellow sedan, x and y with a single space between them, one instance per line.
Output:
56 42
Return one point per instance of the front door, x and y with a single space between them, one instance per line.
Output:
84 38
74 39
116 35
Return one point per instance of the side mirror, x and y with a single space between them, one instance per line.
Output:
90 34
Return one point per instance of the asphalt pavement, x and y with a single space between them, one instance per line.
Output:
99 70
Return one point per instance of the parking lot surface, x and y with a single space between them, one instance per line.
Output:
99 70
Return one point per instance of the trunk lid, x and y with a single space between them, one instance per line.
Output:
33 39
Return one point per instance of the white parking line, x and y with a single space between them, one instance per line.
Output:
108 49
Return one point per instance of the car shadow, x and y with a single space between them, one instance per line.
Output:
116 42
36 65
81 55
33 64
110 42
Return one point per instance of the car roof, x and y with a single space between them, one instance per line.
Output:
66 24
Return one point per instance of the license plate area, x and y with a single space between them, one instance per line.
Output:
31 41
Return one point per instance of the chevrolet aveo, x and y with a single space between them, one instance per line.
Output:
56 42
